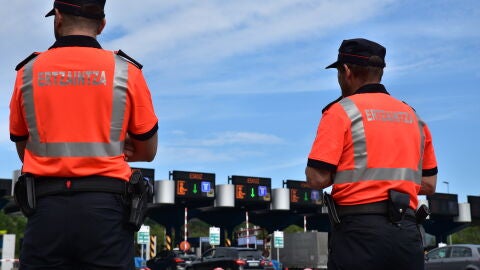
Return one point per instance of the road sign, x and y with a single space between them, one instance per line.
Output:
184 246
443 204
301 195
143 235
252 189
195 186
214 238
278 239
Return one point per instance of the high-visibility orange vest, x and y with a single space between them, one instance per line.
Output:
376 143
75 106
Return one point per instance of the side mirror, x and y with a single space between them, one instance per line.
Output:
426 257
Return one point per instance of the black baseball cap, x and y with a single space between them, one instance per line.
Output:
358 51
79 8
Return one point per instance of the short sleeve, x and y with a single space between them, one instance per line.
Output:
429 160
143 121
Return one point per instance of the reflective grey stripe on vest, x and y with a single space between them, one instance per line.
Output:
361 172
421 124
78 149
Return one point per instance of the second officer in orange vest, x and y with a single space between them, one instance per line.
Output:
378 155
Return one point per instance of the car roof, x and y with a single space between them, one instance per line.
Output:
464 245
238 248
459 245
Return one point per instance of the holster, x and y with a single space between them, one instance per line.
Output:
332 211
398 203
422 213
24 194
138 191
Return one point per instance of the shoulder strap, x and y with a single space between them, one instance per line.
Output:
409 106
331 103
130 59
26 60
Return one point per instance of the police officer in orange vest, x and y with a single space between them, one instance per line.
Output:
78 114
378 155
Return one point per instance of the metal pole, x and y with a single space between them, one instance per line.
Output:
248 233
304 223
448 185
185 229
278 254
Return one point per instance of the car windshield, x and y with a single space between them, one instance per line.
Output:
439 253
461 252
249 254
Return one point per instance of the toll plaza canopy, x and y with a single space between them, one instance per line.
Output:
253 198
189 195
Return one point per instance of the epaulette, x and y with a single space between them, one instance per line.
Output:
409 106
331 103
26 60
130 59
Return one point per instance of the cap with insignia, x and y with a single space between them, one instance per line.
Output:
93 9
359 51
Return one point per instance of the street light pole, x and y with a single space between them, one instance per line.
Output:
448 186
448 191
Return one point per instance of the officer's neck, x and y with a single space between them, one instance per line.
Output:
78 33
356 84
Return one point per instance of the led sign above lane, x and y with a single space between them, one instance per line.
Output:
194 185
302 195
443 204
474 202
251 189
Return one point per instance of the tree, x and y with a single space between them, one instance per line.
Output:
469 235
13 224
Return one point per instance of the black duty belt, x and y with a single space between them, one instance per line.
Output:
376 208
45 186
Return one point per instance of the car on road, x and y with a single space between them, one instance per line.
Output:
454 257
231 258
168 260
187 257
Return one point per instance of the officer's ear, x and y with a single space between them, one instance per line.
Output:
101 26
58 18
347 70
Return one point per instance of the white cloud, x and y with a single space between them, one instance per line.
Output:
287 164
205 31
195 155
230 138
189 155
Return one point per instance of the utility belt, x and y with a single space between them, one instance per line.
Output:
376 208
45 186
396 208
135 192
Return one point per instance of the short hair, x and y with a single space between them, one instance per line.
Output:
366 73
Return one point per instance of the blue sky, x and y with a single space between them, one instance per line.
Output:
239 86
